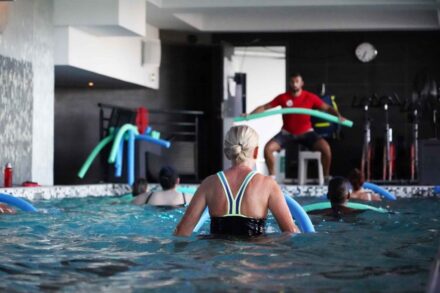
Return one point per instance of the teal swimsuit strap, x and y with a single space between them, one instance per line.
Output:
234 205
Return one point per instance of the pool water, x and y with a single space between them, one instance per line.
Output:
105 244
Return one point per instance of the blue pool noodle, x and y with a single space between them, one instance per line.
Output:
160 142
118 163
298 213
17 202
130 154
203 219
379 190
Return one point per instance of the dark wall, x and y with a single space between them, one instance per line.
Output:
191 79
188 81
403 58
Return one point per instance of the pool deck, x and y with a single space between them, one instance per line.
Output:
75 191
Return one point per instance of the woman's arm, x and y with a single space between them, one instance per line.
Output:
193 212
280 210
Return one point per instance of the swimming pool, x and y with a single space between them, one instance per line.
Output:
105 244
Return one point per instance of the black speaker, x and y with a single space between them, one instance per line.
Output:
429 162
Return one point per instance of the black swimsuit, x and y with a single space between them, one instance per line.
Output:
234 223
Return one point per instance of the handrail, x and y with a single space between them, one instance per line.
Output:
154 111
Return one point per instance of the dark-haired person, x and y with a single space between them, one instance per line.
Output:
140 194
169 196
356 179
298 128
338 194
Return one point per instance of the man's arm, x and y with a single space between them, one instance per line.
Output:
326 108
280 210
261 108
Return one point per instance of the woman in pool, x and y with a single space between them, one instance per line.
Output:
356 179
238 199
169 196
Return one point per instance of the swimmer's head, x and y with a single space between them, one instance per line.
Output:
140 186
356 179
296 82
168 177
338 190
241 144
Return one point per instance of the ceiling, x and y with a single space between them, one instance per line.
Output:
293 15
212 16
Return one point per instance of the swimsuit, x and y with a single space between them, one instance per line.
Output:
233 222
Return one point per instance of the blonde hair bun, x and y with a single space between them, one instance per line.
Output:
240 141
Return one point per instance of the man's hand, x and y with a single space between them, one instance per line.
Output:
341 118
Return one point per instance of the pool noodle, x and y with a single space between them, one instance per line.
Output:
379 190
118 163
353 205
300 215
203 219
187 189
117 141
85 167
161 142
297 212
130 157
315 113
17 202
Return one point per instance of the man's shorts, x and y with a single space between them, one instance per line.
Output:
307 139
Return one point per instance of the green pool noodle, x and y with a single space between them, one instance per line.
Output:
85 167
155 134
303 111
119 136
326 205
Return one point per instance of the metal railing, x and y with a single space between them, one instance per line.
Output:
174 125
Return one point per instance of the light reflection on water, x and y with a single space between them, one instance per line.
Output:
94 244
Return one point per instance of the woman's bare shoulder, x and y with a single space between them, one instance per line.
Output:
208 182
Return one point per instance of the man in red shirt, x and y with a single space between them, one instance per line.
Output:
298 128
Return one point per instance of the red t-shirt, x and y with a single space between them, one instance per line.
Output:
294 123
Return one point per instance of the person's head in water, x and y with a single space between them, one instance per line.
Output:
356 179
168 178
140 186
241 144
338 191
296 83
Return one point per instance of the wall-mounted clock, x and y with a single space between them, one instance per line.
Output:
365 52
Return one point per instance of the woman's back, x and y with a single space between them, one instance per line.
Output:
254 201
169 197
238 199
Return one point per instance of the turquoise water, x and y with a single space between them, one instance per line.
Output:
105 244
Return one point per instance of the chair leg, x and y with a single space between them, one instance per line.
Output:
301 171
320 173
306 169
